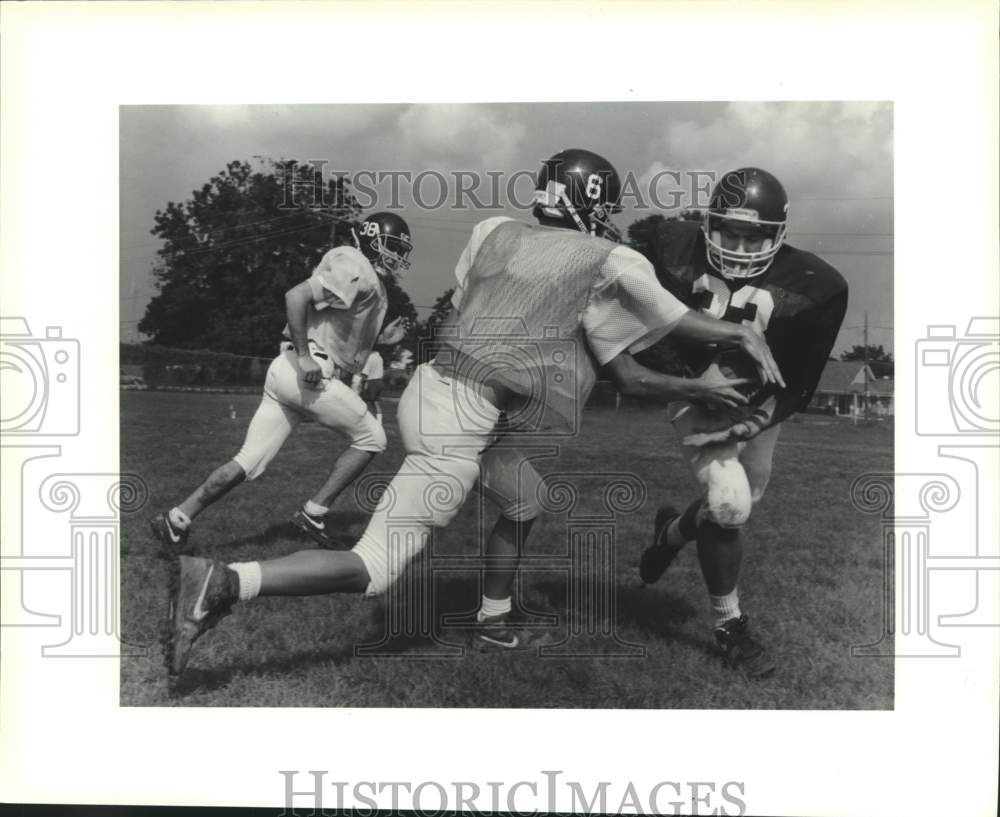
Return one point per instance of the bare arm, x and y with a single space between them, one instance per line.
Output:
297 300
636 380
697 328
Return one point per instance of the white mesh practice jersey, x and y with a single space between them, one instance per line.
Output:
348 307
523 289
627 309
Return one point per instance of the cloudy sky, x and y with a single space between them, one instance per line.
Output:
834 159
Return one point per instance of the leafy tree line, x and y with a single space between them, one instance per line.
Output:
234 248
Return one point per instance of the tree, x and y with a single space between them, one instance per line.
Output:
640 234
236 246
876 354
426 348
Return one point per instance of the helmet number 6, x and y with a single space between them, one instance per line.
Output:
593 186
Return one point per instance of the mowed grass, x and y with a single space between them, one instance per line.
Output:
812 578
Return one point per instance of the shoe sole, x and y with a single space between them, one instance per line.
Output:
168 628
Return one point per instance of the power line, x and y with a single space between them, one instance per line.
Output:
271 219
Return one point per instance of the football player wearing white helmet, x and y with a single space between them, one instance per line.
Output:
736 266
335 317
562 282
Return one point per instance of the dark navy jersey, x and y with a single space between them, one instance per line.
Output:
798 304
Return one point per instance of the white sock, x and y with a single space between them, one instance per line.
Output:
250 579
179 519
313 509
493 607
725 607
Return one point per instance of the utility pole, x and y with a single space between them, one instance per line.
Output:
866 367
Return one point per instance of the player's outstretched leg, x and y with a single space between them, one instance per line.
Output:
496 627
720 552
340 410
671 532
172 528
203 591
310 517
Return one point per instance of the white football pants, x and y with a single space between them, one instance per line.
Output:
287 401
448 432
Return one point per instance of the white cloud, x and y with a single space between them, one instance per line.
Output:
461 135
825 150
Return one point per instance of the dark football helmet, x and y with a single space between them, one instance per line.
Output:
384 239
582 189
752 207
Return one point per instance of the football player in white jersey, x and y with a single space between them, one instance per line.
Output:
561 289
335 318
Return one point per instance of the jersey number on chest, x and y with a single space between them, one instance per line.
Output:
748 305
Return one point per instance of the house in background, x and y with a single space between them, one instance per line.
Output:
841 390
130 377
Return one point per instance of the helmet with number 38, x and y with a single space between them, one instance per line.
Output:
581 188
384 239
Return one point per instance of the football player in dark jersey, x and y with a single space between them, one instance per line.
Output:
736 266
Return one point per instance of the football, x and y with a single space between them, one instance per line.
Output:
735 364
732 364
682 359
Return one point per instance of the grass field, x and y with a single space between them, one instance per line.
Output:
812 578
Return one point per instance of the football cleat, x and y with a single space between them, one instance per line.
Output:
173 539
658 556
741 651
202 592
315 526
499 633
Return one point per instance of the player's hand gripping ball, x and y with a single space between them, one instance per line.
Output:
731 364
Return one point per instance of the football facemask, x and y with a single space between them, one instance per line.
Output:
389 254
554 203
740 262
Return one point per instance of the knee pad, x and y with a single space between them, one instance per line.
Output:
728 500
386 561
368 435
523 505
511 482
521 510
